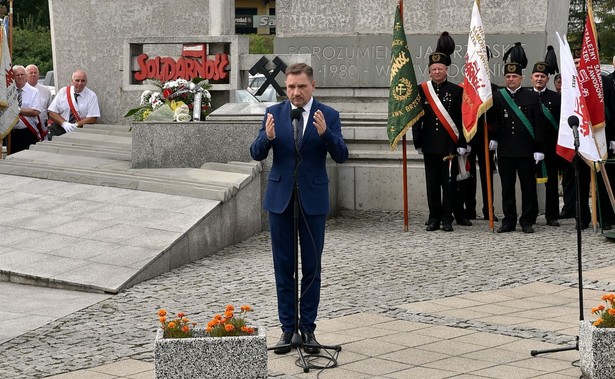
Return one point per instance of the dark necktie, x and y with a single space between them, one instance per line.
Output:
19 96
300 131
71 118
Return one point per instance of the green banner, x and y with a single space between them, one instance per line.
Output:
405 106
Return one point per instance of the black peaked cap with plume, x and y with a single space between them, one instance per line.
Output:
444 49
518 60
516 54
551 60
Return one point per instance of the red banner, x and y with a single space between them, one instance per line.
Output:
589 73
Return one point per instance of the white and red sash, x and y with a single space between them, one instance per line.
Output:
71 105
39 132
440 111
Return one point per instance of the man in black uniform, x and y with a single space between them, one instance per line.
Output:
551 105
518 138
438 136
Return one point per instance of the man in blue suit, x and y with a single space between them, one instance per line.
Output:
319 133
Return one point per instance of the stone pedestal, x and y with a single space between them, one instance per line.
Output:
189 144
211 357
597 350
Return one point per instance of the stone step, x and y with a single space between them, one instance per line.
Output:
88 138
67 148
218 182
384 156
106 127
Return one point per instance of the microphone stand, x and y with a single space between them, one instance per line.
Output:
579 255
296 341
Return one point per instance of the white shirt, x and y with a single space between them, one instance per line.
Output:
87 104
30 98
306 112
45 94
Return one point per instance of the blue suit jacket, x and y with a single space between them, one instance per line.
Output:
312 172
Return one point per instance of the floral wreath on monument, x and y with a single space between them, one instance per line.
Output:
174 101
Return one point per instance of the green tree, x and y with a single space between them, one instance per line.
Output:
33 46
604 18
31 33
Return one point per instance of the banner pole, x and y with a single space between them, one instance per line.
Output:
594 203
404 152
9 142
488 174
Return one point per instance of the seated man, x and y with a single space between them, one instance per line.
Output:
73 106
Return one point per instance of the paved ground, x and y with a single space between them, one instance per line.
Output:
467 304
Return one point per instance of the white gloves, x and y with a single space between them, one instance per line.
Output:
69 127
612 145
419 150
493 145
461 150
538 157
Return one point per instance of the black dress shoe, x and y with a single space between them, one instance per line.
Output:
464 222
564 215
552 223
447 227
310 345
283 345
527 229
432 227
506 229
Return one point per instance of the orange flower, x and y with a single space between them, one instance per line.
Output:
246 308
185 329
230 308
217 316
247 329
162 312
163 319
611 312
598 309
185 319
598 321
609 297
171 325
229 327
208 329
228 314
181 314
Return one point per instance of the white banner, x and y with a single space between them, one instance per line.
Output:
9 108
573 104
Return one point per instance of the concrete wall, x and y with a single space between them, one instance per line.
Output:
91 35
356 35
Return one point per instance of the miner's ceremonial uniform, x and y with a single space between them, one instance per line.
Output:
519 133
437 142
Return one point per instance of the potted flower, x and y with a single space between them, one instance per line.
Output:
176 100
227 348
597 341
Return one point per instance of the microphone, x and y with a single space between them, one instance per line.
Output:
573 121
295 116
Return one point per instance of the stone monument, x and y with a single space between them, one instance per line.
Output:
347 42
